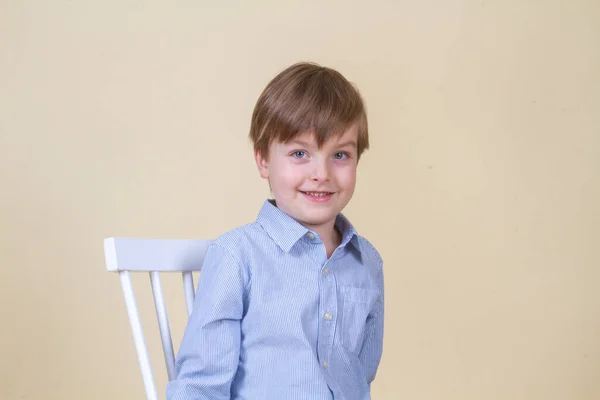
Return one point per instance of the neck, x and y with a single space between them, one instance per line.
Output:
329 235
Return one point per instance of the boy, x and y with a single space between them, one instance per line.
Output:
291 306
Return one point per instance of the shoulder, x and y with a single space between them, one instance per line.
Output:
228 255
232 238
373 261
238 241
372 255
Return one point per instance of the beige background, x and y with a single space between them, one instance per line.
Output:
481 189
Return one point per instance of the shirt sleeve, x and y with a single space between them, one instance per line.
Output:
208 357
372 349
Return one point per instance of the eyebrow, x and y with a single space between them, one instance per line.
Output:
300 142
347 143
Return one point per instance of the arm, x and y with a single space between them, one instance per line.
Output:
372 349
209 353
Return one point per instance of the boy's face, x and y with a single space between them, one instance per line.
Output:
310 184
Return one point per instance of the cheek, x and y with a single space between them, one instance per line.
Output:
347 176
287 177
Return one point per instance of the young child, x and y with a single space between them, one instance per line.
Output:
291 305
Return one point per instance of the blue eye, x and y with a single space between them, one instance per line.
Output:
299 154
340 156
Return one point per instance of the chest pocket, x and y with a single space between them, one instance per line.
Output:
356 307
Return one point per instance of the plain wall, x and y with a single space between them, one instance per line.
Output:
481 188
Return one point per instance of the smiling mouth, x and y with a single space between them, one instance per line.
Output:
317 194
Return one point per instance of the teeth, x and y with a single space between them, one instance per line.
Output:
317 194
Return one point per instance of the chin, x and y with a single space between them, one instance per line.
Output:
318 220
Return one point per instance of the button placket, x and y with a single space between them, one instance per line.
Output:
328 310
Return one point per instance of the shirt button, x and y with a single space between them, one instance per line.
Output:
325 271
325 364
327 316
310 235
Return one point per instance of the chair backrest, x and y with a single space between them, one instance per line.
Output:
126 255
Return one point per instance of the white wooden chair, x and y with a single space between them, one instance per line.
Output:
126 255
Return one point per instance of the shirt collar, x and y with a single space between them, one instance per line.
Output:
286 231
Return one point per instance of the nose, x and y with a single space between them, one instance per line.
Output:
320 172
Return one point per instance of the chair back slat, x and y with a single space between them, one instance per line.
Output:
163 324
188 288
138 335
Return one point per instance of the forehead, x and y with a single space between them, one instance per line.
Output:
349 136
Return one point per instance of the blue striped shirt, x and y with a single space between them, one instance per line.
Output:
275 319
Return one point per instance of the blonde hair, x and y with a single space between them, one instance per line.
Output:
307 97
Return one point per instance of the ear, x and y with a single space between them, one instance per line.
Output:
262 164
